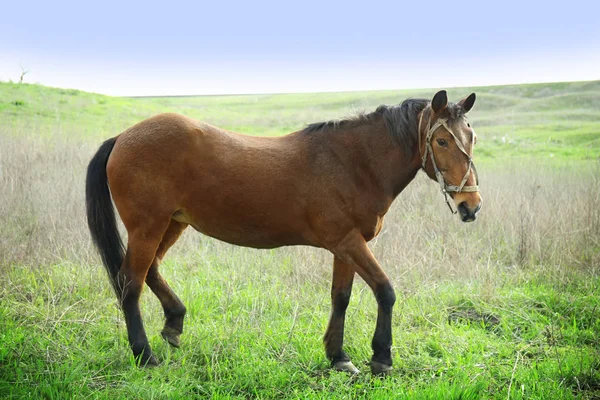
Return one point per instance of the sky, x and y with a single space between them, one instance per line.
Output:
227 47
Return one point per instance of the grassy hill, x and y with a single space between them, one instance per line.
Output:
538 120
505 307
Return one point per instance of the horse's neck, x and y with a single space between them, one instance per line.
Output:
391 170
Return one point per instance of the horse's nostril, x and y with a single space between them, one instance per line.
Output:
463 209
466 214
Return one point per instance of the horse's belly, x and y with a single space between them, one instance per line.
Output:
261 233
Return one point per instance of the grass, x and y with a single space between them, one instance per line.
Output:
539 119
251 336
507 307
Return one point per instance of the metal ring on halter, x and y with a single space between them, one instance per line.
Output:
438 174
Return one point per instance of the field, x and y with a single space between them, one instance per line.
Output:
507 307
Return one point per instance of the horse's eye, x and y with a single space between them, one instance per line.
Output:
442 142
468 124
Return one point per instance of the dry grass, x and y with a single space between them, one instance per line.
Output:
503 307
533 215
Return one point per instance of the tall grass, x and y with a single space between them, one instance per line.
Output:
505 307
534 214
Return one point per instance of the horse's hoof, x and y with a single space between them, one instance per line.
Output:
171 336
346 366
149 362
378 368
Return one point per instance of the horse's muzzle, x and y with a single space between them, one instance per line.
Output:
468 214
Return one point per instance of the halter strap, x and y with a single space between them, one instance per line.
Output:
438 174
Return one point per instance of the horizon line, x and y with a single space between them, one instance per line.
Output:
300 92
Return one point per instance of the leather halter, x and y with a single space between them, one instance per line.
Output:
446 188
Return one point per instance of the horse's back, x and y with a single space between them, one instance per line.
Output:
242 189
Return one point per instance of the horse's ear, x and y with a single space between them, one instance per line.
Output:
467 102
439 102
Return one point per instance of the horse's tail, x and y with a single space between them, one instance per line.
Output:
100 213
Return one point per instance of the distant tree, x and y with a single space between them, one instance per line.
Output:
23 73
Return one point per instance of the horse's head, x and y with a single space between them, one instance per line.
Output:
446 142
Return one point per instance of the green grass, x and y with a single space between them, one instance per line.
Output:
252 334
507 307
545 120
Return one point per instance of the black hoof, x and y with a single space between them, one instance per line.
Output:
382 369
171 336
147 361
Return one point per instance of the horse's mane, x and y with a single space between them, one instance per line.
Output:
401 120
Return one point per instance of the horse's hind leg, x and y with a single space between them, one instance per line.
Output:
354 249
141 249
173 307
341 288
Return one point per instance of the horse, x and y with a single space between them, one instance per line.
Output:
328 185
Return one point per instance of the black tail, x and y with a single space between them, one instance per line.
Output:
101 214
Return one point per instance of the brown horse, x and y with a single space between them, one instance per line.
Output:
328 185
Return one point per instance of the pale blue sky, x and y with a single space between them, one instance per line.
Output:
173 47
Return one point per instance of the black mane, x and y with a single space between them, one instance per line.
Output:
345 123
402 122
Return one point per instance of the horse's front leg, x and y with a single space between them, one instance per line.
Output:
341 288
354 251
